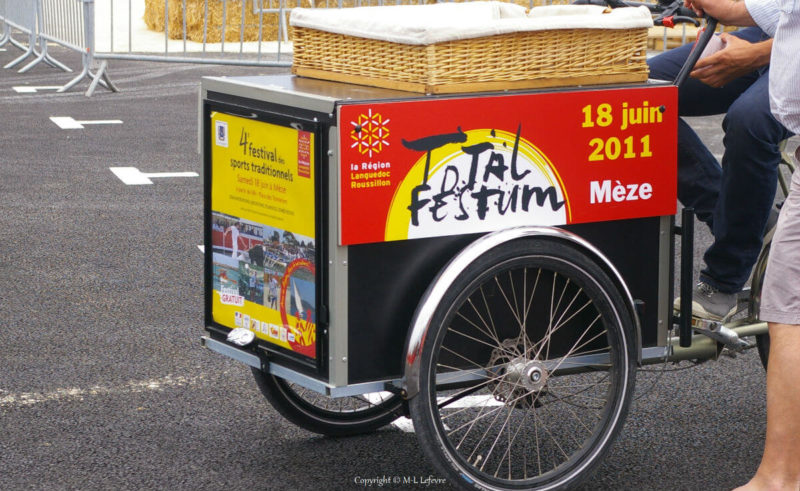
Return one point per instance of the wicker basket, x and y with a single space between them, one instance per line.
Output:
473 46
507 61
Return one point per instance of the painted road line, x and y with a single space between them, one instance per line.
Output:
202 248
28 89
68 123
134 177
19 399
405 424
472 401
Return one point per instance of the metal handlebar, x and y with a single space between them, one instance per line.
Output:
669 12
700 45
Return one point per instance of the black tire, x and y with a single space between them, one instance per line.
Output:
504 429
343 416
762 343
762 340
757 283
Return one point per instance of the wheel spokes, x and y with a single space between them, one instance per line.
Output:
496 334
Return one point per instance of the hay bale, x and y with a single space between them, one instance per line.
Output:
197 16
207 19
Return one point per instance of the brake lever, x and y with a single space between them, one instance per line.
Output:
667 16
671 20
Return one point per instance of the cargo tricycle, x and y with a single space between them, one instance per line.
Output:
495 265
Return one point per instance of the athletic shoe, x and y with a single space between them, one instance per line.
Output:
709 303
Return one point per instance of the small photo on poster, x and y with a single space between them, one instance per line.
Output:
256 266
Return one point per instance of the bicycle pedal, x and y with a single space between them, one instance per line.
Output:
721 334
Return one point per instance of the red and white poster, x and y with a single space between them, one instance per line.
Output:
435 167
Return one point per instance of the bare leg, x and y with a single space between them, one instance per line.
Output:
780 464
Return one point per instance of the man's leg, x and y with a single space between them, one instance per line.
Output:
780 304
747 177
780 464
747 192
699 173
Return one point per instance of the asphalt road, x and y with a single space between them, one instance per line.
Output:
104 384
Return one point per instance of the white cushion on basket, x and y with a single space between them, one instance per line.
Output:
441 22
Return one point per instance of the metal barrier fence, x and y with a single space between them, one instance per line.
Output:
34 16
7 24
21 16
240 32
234 32
69 23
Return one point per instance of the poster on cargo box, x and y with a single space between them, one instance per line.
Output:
445 166
263 231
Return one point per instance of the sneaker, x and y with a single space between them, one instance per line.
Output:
710 303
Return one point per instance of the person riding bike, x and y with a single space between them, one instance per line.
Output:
735 199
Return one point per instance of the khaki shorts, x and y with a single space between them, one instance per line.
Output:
780 299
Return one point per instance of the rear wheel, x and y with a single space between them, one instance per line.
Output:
341 416
784 180
527 370
759 270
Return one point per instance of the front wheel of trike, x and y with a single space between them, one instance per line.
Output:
527 371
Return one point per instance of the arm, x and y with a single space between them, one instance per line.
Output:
738 58
728 12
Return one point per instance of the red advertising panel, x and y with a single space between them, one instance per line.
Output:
435 167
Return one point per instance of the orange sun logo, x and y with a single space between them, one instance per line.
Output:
369 133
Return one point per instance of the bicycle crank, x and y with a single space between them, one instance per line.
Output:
721 334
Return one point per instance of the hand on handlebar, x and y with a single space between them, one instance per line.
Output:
737 58
713 8
728 12
696 6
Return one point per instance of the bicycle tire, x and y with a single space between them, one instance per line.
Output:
757 283
344 416
478 327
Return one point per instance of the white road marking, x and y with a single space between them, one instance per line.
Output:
134 177
10 399
202 248
473 401
407 426
404 424
68 123
29 89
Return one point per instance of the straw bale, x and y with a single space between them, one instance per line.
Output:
216 15
663 38
196 13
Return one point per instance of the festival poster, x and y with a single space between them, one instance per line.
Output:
445 166
263 231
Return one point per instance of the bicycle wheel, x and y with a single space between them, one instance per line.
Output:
784 178
527 372
757 283
325 415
